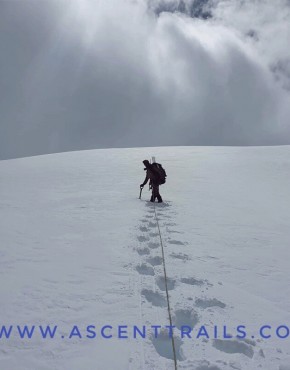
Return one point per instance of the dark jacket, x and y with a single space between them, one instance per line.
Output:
150 175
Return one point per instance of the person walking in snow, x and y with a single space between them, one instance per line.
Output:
156 174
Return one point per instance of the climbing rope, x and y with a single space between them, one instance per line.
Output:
166 289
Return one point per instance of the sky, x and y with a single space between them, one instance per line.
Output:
85 74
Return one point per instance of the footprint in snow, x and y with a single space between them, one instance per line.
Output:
153 245
185 317
163 346
143 229
233 346
180 256
155 261
160 281
144 269
249 341
175 242
209 302
235 365
193 281
170 224
143 251
151 211
212 257
163 205
173 231
142 238
154 297
207 366
153 235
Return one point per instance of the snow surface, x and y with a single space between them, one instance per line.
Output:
79 248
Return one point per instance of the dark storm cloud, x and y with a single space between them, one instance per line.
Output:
193 8
88 74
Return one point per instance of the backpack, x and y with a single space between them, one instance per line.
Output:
160 173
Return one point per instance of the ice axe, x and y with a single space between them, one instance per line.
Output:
141 188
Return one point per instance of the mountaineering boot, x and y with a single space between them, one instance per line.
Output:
159 198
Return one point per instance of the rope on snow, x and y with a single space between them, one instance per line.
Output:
166 289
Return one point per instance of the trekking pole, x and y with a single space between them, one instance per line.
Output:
140 193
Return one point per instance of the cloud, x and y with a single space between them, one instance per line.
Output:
90 74
193 8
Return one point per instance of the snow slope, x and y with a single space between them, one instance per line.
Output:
79 248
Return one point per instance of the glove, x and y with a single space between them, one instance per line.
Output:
141 186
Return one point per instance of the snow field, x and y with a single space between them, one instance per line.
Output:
78 247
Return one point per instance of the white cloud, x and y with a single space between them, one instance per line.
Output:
112 73
269 21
